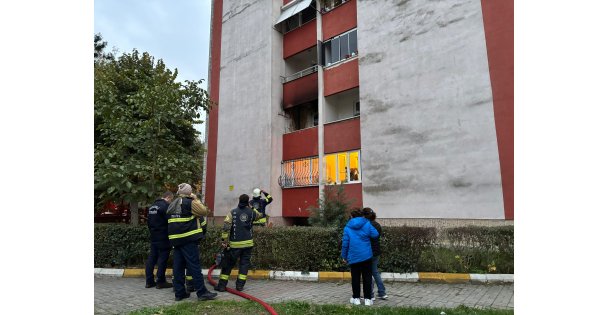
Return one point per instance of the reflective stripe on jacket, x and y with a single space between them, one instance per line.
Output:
238 227
183 226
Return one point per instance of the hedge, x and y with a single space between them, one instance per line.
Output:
404 249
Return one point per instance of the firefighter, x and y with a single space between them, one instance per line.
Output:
185 231
259 202
189 282
237 237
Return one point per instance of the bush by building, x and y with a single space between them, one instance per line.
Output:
404 249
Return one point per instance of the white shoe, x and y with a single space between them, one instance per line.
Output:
355 301
385 297
368 302
374 298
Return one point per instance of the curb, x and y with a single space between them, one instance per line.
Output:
322 276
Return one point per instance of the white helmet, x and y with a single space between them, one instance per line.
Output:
256 192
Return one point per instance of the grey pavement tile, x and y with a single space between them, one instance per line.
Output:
119 295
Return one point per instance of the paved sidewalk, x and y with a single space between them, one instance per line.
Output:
115 295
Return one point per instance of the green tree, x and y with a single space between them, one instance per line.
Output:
99 46
332 208
145 140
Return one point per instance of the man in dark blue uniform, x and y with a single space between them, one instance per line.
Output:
185 231
159 242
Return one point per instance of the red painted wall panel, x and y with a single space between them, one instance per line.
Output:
340 20
300 39
300 91
498 25
286 1
354 193
297 200
342 77
301 143
214 93
342 136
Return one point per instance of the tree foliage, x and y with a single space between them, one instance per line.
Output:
332 209
99 46
145 141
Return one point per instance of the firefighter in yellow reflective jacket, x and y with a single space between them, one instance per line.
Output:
237 235
189 282
259 202
185 231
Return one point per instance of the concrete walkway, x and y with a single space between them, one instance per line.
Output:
115 295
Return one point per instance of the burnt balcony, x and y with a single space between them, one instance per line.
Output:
301 87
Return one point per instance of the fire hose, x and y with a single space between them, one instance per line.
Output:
241 294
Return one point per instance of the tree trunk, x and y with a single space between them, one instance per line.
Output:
134 213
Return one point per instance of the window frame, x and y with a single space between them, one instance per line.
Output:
329 44
337 172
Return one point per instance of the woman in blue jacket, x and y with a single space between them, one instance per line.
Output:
357 252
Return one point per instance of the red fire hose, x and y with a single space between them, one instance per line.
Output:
241 294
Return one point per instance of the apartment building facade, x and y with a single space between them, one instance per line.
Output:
407 104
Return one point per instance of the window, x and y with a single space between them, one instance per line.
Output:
356 109
300 172
330 169
301 18
340 168
340 47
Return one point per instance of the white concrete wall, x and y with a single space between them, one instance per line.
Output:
249 101
341 105
428 137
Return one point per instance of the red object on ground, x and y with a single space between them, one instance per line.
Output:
241 294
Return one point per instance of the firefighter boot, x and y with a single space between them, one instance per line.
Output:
221 285
240 284
190 286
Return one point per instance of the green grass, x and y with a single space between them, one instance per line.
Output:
302 308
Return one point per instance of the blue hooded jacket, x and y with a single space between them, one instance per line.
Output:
356 245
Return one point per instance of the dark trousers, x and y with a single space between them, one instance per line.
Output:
357 270
377 278
158 256
187 257
229 260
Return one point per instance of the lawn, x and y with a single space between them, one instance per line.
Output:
302 308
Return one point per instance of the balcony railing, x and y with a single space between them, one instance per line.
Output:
299 74
300 172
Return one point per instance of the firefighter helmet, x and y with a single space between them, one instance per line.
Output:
256 192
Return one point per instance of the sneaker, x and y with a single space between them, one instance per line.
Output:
374 298
183 297
384 297
207 296
355 301
148 285
368 302
164 285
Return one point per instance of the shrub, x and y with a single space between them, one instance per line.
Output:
471 249
332 209
404 249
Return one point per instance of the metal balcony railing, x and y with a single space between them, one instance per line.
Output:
299 74
300 172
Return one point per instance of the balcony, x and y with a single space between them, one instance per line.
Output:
299 39
340 18
299 172
343 135
341 76
296 201
301 89
301 143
